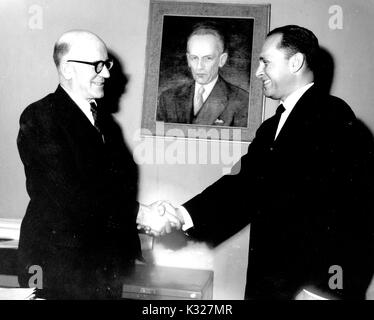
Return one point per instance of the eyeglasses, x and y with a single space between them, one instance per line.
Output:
99 65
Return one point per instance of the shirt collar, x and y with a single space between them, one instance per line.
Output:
78 100
83 104
295 96
207 87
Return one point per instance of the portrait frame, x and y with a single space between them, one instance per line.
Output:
169 21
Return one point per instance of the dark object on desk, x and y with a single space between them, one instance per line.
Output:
8 256
8 263
151 282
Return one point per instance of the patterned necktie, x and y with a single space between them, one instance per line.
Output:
199 100
277 117
94 110
94 114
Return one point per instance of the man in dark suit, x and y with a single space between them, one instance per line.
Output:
305 186
208 99
80 227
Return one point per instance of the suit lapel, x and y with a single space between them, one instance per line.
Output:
214 105
73 119
184 103
299 117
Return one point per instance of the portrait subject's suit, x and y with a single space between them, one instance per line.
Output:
227 105
307 197
80 224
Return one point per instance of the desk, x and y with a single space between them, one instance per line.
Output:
148 281
152 282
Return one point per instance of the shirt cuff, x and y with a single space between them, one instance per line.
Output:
188 223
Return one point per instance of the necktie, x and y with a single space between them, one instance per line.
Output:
94 110
94 114
199 100
277 117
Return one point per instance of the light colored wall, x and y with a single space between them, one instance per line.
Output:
27 73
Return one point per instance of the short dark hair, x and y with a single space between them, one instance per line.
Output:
59 50
298 39
204 28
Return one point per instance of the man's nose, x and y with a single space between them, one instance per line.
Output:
259 70
200 64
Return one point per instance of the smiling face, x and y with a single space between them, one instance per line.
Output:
83 80
275 70
205 57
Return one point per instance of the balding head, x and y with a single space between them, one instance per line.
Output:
76 55
74 42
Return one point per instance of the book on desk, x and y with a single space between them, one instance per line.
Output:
153 282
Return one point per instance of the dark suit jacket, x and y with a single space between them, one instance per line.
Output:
80 224
227 105
307 197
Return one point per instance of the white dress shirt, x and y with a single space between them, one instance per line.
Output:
289 104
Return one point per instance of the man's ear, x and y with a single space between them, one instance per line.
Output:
66 70
222 59
296 62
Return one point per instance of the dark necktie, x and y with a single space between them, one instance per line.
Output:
277 117
95 117
94 114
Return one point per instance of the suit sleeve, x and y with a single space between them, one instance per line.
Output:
241 116
227 206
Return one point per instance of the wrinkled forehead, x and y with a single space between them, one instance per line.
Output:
202 45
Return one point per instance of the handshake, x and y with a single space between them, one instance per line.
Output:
159 218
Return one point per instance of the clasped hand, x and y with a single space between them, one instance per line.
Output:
159 218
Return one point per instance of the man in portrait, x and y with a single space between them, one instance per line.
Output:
208 99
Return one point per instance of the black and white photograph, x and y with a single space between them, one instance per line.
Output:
186 157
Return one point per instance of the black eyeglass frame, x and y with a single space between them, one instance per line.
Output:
99 65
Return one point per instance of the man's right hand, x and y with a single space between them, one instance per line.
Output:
159 218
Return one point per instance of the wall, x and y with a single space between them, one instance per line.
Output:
27 73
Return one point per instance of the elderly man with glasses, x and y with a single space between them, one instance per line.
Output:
81 225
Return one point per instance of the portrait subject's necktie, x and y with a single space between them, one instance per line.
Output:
198 100
278 115
95 117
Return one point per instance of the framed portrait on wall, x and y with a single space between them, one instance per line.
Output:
200 70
